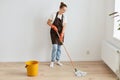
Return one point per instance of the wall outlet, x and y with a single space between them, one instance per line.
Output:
87 52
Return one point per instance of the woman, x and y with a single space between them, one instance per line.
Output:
57 22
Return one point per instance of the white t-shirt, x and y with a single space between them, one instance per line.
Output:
52 17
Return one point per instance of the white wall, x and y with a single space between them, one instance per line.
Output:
24 34
110 4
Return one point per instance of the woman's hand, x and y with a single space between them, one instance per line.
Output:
49 22
54 28
61 37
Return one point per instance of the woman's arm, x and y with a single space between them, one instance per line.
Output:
64 27
49 22
62 33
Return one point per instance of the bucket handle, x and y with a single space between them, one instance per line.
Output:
26 66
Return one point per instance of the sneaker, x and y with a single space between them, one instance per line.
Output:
52 64
59 63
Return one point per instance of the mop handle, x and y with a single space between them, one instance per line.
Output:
67 52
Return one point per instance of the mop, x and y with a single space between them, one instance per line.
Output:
78 73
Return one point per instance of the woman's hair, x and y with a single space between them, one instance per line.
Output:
62 4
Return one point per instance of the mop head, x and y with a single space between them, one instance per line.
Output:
79 73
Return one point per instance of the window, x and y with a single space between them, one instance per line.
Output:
116 23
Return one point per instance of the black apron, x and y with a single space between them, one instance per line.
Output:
59 24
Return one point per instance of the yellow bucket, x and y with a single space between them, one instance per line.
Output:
32 68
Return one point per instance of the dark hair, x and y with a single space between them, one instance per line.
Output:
62 4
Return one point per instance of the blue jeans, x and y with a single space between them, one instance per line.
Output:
56 52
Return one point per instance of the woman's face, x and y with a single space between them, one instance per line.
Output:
63 10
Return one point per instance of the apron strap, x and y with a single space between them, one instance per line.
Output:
61 18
